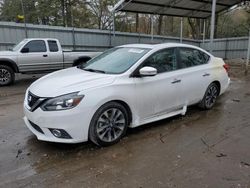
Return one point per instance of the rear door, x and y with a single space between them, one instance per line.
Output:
33 56
55 55
195 73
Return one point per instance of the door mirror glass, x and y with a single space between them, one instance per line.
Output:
25 50
148 71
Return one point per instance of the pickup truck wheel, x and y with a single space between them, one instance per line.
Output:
7 75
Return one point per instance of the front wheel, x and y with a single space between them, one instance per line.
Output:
210 97
109 124
7 75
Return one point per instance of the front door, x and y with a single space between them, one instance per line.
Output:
33 57
159 94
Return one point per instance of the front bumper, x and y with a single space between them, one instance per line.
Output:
75 122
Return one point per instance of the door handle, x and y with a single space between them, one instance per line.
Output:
176 81
206 74
45 55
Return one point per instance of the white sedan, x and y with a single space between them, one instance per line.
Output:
126 86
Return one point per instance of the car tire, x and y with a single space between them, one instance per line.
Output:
109 124
210 97
7 75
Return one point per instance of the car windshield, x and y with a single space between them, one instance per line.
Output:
116 60
19 45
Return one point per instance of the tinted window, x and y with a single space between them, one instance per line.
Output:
189 57
36 46
163 61
53 47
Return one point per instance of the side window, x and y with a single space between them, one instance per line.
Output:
53 47
189 57
163 61
36 46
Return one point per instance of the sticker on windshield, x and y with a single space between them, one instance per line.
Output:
138 51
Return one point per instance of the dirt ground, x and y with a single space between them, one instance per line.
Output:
201 149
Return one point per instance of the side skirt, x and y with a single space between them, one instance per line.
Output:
181 111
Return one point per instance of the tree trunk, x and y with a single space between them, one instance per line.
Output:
137 22
63 12
159 25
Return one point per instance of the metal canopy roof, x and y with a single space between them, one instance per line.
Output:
180 8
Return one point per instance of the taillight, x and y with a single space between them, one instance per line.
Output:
226 67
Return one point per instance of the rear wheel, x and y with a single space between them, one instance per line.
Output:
109 124
210 97
7 75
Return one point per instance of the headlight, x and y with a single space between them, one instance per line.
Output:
63 102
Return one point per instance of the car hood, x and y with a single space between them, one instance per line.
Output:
69 81
7 53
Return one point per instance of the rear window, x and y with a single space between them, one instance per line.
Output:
53 47
190 57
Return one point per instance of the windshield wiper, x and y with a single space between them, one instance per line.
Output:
93 70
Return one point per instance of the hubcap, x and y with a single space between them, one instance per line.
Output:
4 76
110 125
211 96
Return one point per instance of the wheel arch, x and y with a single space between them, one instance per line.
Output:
10 63
218 84
93 138
123 103
130 116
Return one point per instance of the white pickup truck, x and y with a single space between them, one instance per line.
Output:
38 55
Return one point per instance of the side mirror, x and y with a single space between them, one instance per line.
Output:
25 50
148 71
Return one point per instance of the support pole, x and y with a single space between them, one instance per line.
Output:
181 31
212 25
24 15
248 54
152 28
114 23
73 38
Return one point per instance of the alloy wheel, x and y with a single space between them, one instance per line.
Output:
5 76
110 125
211 96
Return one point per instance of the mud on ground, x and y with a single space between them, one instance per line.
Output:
201 149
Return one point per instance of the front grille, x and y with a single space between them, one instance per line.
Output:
36 127
34 101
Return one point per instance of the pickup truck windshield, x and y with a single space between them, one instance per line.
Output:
19 45
115 61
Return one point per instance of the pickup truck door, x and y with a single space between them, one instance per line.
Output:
55 55
34 57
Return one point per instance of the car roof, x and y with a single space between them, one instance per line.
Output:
40 39
162 45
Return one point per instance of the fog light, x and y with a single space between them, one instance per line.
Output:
57 133
60 133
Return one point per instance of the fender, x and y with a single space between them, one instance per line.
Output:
11 63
